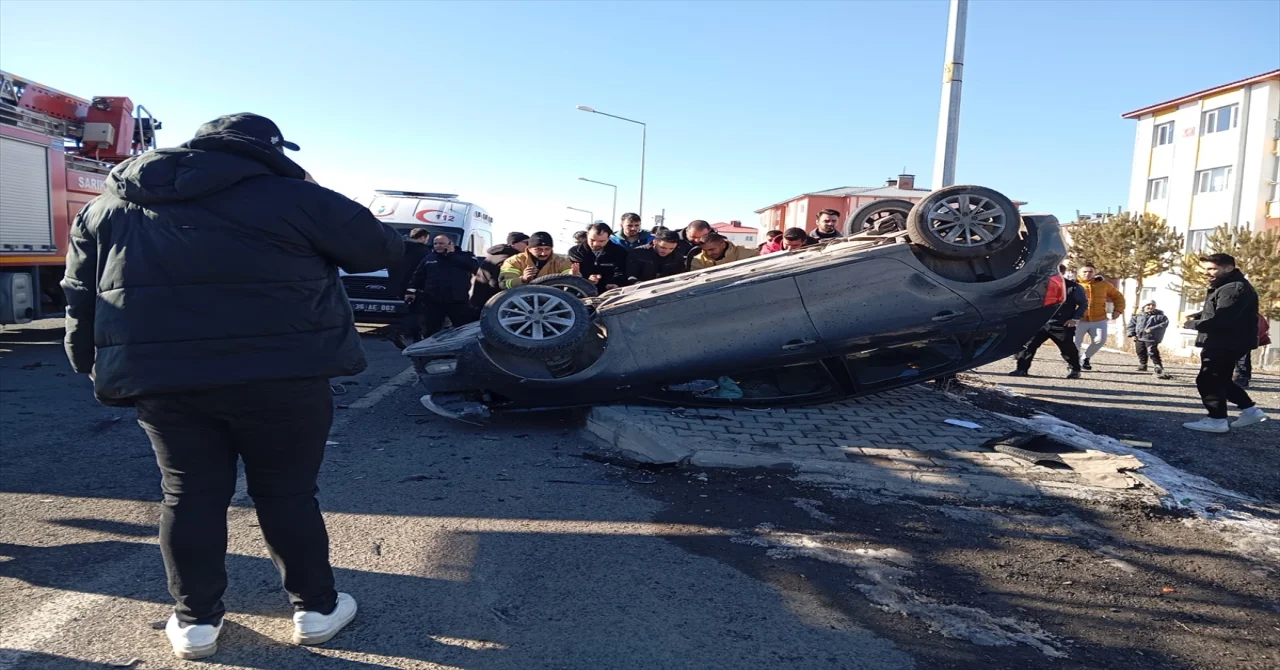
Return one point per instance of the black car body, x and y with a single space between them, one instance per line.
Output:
850 317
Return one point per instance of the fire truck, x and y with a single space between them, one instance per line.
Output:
56 150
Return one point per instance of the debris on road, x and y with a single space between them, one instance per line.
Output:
963 424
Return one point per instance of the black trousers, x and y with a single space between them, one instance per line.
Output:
279 428
411 324
1244 368
1215 385
1148 350
1062 336
434 313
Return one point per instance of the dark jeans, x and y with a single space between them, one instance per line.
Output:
279 428
1062 336
1244 368
411 325
434 313
1215 385
1148 350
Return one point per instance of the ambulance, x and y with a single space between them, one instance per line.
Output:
373 297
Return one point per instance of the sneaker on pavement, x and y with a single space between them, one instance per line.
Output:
1249 417
316 628
192 641
1073 374
1019 373
1084 365
1208 425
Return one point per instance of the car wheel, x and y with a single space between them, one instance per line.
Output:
879 217
538 321
963 222
572 284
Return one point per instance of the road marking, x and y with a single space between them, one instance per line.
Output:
367 401
25 635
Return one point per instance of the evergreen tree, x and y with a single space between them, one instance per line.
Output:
1127 246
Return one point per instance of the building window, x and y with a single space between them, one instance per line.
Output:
1163 134
1157 189
1148 294
751 238
1196 240
1219 120
1213 180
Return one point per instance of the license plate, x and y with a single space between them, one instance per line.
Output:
368 307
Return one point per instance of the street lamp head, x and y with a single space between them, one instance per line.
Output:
585 108
583 179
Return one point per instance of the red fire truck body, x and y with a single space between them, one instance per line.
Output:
55 153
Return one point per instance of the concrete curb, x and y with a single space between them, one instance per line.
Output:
624 434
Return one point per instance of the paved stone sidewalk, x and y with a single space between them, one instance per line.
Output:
895 443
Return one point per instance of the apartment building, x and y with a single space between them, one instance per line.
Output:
1205 159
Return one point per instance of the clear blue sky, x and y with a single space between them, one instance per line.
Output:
747 103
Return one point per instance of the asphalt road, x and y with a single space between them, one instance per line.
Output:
504 547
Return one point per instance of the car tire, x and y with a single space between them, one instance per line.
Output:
573 284
537 321
885 216
989 223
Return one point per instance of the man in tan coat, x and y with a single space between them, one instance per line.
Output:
537 260
717 250
1094 323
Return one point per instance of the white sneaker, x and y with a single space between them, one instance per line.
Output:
1249 417
1208 425
317 628
192 641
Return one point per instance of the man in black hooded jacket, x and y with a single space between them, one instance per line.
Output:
202 287
486 283
1061 329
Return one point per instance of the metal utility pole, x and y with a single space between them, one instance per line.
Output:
613 220
944 158
644 138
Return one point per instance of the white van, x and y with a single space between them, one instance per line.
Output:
373 298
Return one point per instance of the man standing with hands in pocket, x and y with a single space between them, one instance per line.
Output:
202 287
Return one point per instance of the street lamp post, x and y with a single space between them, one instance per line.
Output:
613 220
591 217
644 136
944 160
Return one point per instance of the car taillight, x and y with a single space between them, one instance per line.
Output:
1057 291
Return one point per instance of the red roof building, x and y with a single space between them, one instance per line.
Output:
737 233
802 210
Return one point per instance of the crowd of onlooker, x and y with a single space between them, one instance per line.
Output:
440 282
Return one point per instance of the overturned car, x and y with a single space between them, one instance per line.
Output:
968 282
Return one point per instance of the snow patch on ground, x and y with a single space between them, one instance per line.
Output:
882 571
811 508
1226 510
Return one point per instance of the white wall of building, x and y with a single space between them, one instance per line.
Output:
1248 149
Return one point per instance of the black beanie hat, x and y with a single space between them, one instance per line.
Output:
516 238
540 240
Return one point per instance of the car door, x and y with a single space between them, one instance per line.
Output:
861 303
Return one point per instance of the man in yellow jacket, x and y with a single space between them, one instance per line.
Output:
1094 323
537 260
717 250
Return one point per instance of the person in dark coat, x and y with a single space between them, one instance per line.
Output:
1228 329
1146 329
415 249
202 287
486 283
601 260
828 226
1244 367
1061 329
691 239
442 286
656 260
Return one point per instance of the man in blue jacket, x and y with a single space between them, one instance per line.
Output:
202 287
1147 328
633 235
1061 329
